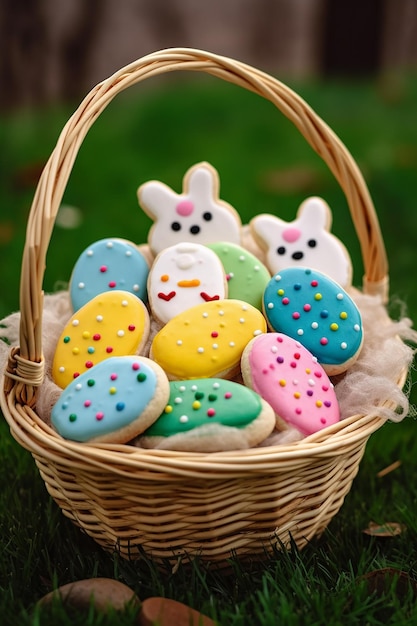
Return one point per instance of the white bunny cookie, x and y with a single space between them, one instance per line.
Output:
182 276
195 215
304 242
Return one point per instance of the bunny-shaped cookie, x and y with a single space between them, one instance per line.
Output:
304 242
196 215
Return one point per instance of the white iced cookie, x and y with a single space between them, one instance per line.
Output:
182 276
304 242
195 215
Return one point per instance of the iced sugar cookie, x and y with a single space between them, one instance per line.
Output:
114 402
207 340
291 380
304 242
246 276
182 276
209 415
107 265
309 306
114 323
195 215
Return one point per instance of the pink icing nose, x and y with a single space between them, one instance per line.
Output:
184 208
291 234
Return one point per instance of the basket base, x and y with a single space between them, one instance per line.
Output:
210 520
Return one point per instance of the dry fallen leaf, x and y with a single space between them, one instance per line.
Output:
389 529
381 580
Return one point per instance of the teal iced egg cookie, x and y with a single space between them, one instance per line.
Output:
107 265
197 410
113 402
309 306
246 276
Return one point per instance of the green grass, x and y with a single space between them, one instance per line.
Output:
158 132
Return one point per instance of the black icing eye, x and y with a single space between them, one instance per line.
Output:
176 226
194 230
312 243
281 250
207 216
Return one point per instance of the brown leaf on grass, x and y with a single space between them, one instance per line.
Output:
389 529
381 580
168 612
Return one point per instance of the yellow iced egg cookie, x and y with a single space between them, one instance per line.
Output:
207 340
114 323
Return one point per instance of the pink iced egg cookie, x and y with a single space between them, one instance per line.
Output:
285 374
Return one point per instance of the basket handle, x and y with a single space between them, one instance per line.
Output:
25 366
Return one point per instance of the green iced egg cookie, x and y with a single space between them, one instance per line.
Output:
246 276
195 403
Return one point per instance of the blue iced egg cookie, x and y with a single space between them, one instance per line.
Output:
309 306
107 265
246 276
113 402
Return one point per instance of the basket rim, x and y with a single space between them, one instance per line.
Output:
122 459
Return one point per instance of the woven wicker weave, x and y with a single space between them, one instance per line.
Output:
169 503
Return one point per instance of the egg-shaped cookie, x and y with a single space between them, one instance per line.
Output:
107 265
113 402
311 307
184 275
208 415
246 276
292 381
114 323
207 340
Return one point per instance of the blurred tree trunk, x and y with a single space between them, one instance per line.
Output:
22 35
39 61
352 37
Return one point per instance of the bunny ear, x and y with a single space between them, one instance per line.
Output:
315 213
154 198
202 181
266 228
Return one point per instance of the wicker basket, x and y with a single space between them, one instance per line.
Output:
164 503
